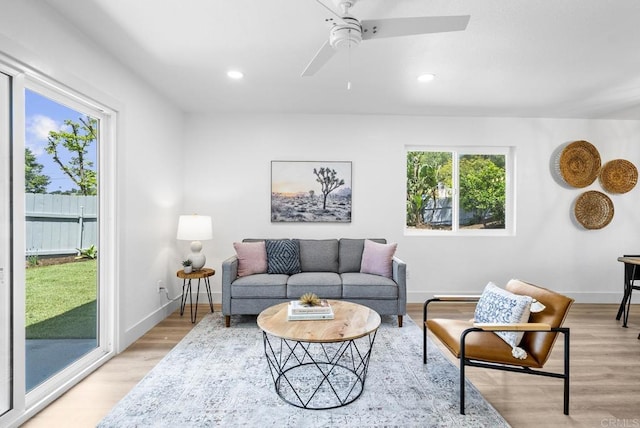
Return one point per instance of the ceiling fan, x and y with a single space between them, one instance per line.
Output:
347 31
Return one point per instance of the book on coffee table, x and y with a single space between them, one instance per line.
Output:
298 307
291 316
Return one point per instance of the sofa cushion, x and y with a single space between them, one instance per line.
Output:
367 286
261 285
283 256
351 254
318 255
252 257
377 259
326 285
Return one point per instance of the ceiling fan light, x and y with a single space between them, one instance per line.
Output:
427 77
235 74
346 35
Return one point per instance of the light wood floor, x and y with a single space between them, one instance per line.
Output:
605 374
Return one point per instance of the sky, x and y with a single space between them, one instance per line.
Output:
298 177
41 116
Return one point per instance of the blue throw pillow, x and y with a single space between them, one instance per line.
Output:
501 306
283 256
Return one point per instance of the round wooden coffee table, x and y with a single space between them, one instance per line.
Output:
319 364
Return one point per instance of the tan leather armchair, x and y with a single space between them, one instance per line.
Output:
476 345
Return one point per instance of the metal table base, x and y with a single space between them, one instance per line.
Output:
318 375
631 274
186 289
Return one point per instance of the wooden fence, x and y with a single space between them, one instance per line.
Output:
60 224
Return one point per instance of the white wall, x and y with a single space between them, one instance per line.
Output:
148 184
229 158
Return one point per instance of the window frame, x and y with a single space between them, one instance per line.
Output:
458 151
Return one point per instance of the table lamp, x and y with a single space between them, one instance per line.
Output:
195 228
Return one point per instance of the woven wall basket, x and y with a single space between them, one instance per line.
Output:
593 210
580 164
618 176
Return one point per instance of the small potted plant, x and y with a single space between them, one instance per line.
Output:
187 266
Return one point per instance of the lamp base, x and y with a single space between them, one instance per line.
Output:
197 258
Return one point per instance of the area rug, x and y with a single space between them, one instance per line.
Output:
218 376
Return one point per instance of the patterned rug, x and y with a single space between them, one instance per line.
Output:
218 376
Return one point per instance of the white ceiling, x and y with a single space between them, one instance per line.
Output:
560 58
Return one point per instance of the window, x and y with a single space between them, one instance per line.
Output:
462 190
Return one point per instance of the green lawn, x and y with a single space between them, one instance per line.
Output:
61 301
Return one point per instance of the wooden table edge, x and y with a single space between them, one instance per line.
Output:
372 323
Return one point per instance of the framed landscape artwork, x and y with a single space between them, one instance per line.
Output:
310 191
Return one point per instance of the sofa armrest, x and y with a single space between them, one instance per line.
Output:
229 274
399 271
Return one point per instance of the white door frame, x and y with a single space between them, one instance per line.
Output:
5 245
23 405
41 395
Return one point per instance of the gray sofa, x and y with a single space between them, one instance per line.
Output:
330 268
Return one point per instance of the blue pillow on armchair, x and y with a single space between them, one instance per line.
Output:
501 306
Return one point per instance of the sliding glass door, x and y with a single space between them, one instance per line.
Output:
61 218
57 265
5 248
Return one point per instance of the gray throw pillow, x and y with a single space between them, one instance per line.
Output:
283 256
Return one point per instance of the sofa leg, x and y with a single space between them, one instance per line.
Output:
399 320
227 320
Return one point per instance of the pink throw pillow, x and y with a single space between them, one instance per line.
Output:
252 257
378 258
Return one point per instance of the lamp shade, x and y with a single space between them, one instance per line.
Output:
194 228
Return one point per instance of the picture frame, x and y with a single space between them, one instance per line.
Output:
311 191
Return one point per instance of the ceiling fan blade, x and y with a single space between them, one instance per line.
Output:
322 56
333 12
394 27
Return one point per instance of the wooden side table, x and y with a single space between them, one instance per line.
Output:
201 274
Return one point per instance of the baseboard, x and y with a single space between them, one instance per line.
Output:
146 324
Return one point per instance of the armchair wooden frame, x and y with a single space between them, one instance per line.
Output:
467 360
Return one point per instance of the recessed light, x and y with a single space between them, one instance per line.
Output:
235 74
426 77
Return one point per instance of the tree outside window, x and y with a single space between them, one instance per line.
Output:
457 190
35 181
